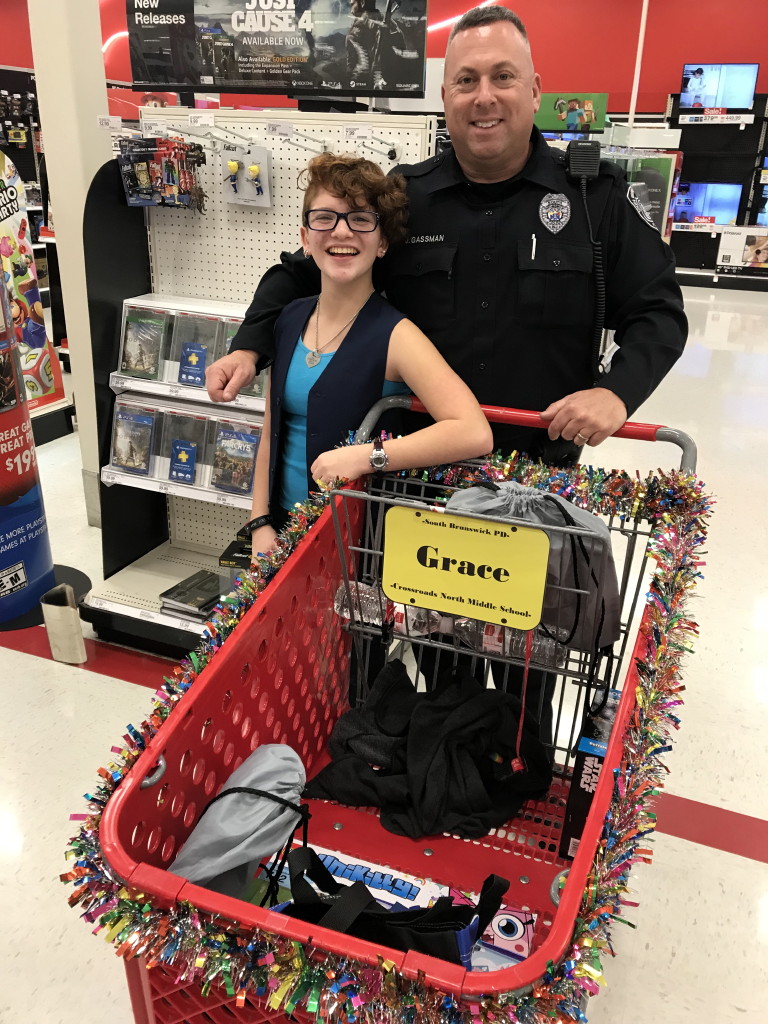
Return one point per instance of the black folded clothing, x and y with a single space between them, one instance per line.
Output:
443 761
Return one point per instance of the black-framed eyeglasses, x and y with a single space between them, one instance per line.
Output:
326 220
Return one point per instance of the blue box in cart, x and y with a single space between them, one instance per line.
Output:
590 755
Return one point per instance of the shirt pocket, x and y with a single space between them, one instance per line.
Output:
421 284
554 283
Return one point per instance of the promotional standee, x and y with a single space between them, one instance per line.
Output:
42 383
26 567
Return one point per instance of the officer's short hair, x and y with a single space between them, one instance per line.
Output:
361 183
487 16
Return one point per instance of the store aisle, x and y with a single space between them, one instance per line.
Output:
701 938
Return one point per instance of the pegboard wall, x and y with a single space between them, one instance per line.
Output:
202 525
223 253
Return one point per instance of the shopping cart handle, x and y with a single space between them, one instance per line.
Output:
529 418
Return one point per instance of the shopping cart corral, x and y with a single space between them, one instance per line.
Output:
280 674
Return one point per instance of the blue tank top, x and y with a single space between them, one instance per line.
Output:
300 380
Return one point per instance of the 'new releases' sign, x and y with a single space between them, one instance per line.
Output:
280 46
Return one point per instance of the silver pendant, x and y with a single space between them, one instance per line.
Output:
312 358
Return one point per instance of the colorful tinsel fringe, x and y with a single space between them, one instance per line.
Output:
208 951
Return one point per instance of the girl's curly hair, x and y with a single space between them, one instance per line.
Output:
361 183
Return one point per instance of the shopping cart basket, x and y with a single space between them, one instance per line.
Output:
282 676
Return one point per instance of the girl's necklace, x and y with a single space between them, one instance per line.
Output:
313 355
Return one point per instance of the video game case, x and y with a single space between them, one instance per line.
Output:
236 555
143 342
196 594
258 387
234 457
133 438
196 344
184 445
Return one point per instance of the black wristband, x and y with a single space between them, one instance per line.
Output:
258 522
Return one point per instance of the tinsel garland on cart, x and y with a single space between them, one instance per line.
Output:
208 951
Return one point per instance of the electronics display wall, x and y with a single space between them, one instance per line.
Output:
719 194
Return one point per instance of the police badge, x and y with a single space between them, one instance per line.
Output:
634 199
554 211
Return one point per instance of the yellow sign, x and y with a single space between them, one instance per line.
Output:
481 569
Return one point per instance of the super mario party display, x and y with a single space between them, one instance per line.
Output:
39 362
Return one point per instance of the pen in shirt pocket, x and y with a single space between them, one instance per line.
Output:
533 246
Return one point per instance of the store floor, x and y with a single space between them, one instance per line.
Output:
700 945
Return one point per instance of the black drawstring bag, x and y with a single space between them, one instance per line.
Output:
444 930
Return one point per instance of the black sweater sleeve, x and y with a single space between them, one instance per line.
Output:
294 277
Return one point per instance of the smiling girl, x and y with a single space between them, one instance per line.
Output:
338 353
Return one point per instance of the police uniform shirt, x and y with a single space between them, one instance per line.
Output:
500 278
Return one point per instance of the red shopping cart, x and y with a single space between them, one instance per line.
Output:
282 677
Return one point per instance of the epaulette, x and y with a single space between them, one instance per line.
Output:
420 169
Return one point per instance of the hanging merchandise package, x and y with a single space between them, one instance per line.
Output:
581 601
255 815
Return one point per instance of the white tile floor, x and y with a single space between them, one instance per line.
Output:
701 943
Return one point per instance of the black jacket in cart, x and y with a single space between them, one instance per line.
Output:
435 762
506 291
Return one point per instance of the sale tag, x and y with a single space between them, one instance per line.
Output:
457 565
284 128
356 132
109 123
202 117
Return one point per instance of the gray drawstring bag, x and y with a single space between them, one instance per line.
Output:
254 817
581 600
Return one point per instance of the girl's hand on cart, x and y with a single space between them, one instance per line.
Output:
346 463
263 541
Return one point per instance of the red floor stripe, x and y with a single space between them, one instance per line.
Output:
711 826
677 816
107 659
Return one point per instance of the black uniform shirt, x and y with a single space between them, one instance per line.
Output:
508 301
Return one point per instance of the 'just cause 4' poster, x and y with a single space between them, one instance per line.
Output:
18 274
348 47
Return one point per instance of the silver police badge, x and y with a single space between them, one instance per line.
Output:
634 199
555 211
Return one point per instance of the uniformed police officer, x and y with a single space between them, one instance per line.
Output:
499 266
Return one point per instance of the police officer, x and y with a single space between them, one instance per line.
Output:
499 266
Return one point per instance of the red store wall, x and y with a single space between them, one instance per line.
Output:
587 45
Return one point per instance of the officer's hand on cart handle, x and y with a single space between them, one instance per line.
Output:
225 377
263 541
585 417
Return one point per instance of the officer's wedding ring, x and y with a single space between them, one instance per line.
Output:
580 439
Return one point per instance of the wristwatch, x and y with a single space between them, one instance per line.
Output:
257 523
379 458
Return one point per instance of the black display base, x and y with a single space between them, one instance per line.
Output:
79 582
47 426
140 634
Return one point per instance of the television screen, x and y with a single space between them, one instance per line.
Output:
706 203
761 203
731 86
567 136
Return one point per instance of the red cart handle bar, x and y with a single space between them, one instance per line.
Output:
528 418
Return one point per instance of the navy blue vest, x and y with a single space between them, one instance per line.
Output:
347 388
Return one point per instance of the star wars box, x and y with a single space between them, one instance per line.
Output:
590 755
